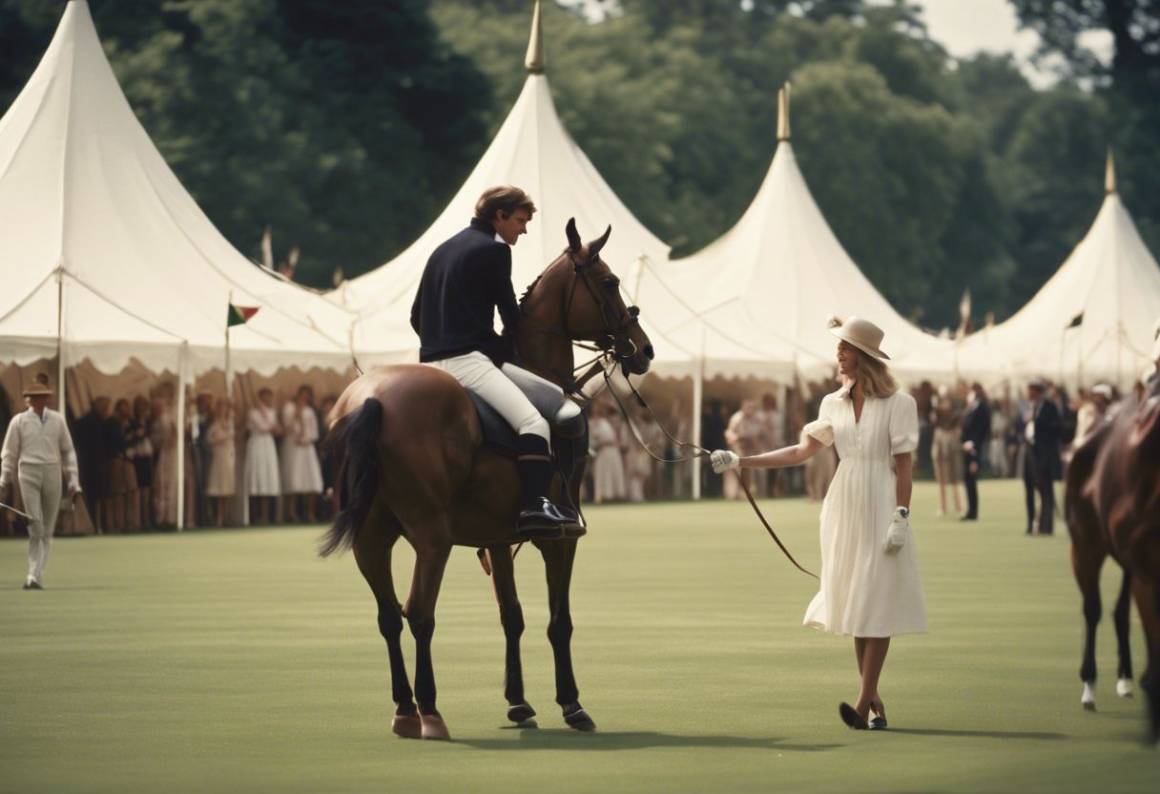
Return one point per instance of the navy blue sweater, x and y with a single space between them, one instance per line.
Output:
466 279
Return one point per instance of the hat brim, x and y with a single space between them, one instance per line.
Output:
870 351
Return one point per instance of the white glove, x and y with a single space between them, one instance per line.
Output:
899 531
723 460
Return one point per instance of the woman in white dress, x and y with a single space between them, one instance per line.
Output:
301 471
870 587
263 481
608 482
223 458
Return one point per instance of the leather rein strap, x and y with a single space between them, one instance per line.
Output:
699 452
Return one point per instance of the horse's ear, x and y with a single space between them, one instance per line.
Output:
595 246
573 236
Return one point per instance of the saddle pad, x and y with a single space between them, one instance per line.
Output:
497 433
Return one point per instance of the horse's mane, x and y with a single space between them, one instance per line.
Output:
528 292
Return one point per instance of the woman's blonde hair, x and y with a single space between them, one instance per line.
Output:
874 376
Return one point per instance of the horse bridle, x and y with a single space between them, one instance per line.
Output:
614 338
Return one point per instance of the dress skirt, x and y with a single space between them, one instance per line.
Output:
262 476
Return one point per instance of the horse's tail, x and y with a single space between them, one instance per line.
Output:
353 444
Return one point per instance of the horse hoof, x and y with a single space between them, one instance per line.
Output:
407 726
522 714
1124 687
434 727
579 720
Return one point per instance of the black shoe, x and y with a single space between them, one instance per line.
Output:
851 717
541 521
32 584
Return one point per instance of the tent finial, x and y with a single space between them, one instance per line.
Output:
783 113
535 57
1110 174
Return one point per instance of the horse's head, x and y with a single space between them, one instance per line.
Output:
594 310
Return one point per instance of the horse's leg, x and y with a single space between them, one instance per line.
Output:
1086 562
372 552
432 542
1123 637
511 617
558 557
1148 604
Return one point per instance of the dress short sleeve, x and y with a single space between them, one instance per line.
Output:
821 428
903 424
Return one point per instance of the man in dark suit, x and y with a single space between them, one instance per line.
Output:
1041 463
975 435
468 279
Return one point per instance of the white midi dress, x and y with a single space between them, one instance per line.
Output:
301 471
261 468
865 592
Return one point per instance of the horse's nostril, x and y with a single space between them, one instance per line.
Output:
648 352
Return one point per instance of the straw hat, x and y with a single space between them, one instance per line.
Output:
862 334
1102 390
38 390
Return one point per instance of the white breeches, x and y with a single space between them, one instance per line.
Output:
521 397
40 489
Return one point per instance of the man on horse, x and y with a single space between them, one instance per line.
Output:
465 281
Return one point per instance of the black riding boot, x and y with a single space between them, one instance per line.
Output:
539 518
571 458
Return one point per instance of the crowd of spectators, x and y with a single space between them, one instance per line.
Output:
127 454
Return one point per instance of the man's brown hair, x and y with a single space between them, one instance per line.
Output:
503 197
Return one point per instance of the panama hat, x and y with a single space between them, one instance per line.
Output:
38 390
862 334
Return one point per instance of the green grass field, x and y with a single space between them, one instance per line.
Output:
239 661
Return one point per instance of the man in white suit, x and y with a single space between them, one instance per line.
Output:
36 448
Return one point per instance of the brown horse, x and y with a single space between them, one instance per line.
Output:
1113 507
407 440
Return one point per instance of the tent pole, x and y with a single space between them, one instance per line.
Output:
698 396
698 400
62 406
181 437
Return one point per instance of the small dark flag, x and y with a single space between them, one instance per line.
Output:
1076 321
239 315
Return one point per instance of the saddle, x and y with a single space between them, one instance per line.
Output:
500 437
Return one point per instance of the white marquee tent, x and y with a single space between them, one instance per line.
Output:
1092 321
757 300
107 257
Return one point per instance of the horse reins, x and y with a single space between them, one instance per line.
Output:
608 346
699 452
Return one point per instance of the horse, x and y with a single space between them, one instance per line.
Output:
1089 550
1114 508
408 445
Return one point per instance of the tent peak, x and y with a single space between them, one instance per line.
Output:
1110 174
783 113
534 60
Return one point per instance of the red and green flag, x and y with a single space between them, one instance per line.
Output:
239 315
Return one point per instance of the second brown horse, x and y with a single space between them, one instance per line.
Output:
407 442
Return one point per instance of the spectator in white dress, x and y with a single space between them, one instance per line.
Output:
608 481
263 481
301 471
220 480
869 587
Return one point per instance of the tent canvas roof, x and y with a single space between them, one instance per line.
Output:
96 223
1111 282
770 284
